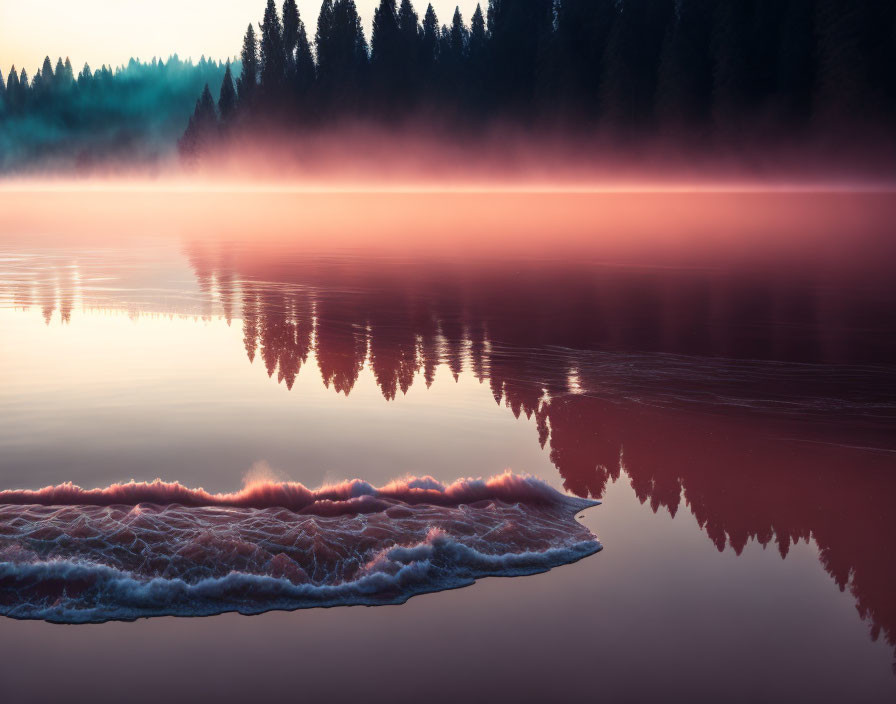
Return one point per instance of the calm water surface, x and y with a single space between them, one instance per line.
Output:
717 370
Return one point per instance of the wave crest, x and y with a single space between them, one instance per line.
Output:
354 495
132 550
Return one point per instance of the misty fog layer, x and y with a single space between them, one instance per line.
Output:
766 85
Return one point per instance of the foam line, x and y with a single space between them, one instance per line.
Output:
136 550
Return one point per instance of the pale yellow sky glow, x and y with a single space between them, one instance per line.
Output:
112 31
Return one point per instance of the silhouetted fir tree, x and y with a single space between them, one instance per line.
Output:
272 54
384 38
202 129
408 74
46 72
247 83
2 93
12 91
290 35
385 54
85 77
342 53
409 26
323 41
476 63
452 60
478 37
37 85
304 69
59 73
459 37
23 89
227 98
68 75
684 92
429 45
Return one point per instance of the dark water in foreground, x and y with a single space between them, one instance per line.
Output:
727 390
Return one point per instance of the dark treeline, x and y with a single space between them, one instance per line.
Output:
632 67
60 117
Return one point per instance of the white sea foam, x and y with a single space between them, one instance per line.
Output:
77 563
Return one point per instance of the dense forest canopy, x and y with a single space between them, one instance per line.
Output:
694 72
687 67
60 118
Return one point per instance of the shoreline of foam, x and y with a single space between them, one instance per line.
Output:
132 599
198 554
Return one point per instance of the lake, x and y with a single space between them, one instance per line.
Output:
716 368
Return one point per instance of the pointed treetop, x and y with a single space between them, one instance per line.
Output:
46 70
291 22
248 80
227 97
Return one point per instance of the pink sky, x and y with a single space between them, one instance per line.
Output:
112 31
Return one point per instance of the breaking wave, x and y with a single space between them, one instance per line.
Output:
133 550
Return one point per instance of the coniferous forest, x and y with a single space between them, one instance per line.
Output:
693 69
60 119
706 72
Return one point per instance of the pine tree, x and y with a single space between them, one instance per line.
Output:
342 52
477 61
12 90
459 36
407 80
227 98
292 25
44 80
408 23
37 83
386 55
430 41
24 89
290 31
68 74
478 36
59 78
304 73
85 78
323 41
2 93
272 53
453 57
202 128
384 39
247 83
